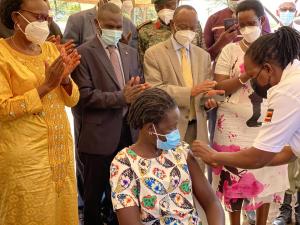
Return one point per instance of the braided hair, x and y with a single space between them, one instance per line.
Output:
281 47
150 107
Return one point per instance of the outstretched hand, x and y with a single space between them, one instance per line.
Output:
202 150
203 87
211 103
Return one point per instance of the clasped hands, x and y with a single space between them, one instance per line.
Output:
207 88
133 89
58 72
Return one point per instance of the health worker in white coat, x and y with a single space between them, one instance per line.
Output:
272 64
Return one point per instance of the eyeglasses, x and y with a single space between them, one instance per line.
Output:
38 16
254 79
287 9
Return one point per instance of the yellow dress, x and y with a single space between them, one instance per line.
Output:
37 180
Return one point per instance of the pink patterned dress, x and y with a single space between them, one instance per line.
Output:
238 122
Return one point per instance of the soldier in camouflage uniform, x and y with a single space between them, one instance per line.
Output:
153 32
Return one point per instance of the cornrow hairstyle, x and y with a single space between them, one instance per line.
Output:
281 47
150 107
254 5
7 7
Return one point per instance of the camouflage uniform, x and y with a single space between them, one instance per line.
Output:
153 32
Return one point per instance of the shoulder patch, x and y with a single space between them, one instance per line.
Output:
143 24
269 116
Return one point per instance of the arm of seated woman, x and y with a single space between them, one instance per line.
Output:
204 193
122 181
129 216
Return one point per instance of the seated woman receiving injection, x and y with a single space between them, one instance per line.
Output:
153 181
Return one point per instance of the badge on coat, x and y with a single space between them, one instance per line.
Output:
269 115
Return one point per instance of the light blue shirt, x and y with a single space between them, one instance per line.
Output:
177 48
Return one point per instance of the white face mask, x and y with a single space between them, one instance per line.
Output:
166 15
117 3
36 32
251 33
184 37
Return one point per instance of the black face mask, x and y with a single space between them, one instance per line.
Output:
261 91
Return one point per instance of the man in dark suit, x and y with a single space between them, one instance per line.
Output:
81 27
109 80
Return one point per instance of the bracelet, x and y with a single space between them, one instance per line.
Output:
240 80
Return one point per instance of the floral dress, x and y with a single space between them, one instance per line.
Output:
238 122
161 187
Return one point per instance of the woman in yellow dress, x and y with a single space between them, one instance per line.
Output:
37 182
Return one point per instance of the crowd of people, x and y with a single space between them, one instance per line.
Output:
156 108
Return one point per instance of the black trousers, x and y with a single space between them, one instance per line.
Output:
96 183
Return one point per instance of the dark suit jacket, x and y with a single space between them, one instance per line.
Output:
81 28
98 116
54 29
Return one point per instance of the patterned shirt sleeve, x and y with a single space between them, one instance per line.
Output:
184 149
125 188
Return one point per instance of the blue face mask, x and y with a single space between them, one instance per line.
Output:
172 140
287 18
111 37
